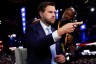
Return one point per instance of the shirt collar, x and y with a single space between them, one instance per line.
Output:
44 26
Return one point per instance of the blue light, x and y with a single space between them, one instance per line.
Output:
24 24
57 14
23 9
24 29
23 19
23 14
83 27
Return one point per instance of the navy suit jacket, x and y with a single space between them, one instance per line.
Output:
38 45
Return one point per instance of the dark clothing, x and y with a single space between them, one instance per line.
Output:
69 47
38 45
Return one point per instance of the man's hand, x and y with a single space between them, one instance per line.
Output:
60 58
68 28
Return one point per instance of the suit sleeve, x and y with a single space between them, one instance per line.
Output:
35 41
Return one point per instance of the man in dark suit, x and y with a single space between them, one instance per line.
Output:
43 41
68 40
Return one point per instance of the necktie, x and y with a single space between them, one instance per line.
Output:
52 48
48 30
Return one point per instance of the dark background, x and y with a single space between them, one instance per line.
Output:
10 15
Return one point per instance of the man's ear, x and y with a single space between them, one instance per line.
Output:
41 14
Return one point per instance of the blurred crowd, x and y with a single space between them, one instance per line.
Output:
10 59
7 58
85 61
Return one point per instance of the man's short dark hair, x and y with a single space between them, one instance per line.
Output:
43 5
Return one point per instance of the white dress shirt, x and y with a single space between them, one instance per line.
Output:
55 36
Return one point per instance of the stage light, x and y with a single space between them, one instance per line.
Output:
24 29
23 14
23 19
0 21
83 27
23 9
13 35
61 10
20 47
92 9
57 14
23 24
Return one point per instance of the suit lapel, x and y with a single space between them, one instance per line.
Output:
42 33
40 30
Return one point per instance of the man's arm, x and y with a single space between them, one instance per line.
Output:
35 41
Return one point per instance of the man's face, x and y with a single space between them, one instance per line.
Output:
69 38
69 14
49 15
